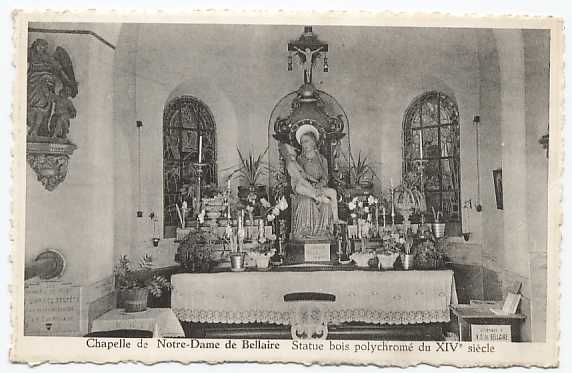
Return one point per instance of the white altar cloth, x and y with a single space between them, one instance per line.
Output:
390 297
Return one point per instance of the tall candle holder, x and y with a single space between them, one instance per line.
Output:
199 171
420 164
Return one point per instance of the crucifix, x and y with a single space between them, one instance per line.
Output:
308 48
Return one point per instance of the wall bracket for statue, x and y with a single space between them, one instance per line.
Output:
50 162
51 86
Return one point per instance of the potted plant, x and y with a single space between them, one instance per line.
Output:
250 171
361 172
135 284
429 255
194 253
407 257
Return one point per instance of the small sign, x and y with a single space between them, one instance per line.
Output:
490 333
317 252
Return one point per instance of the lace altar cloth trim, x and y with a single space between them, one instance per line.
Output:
392 297
332 317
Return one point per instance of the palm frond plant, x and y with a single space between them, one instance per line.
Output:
361 170
251 168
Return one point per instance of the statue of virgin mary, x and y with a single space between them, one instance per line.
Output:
314 205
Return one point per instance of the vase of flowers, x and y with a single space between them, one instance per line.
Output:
135 284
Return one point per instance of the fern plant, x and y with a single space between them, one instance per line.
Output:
139 277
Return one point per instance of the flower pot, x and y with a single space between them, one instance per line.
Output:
386 261
135 300
262 261
361 259
407 261
244 191
237 261
438 229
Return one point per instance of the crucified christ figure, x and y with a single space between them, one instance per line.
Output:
308 61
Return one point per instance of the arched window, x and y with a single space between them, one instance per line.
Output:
431 135
185 120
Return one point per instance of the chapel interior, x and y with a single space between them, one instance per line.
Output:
163 114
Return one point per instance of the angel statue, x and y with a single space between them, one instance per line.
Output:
45 73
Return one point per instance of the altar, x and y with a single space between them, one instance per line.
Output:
322 297
331 236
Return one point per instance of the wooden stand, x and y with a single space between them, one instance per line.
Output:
468 315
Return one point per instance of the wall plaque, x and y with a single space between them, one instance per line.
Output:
52 309
317 252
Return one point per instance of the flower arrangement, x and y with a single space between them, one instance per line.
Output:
392 243
358 210
128 277
272 212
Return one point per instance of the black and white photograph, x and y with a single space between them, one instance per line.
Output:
332 190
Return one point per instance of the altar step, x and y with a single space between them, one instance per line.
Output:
349 331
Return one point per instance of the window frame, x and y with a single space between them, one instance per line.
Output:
205 126
410 132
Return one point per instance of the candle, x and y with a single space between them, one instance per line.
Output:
200 149
261 228
376 217
228 185
421 144
392 210
383 212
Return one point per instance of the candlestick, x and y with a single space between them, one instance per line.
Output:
200 149
392 207
421 144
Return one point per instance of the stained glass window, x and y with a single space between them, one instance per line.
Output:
431 138
185 120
